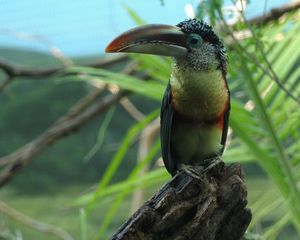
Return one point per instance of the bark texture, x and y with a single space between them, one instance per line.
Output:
212 207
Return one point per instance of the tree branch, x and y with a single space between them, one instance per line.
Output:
17 71
274 13
12 71
64 126
77 116
210 208
5 82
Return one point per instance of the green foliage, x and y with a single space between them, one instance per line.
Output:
125 191
120 154
83 224
101 135
272 143
151 89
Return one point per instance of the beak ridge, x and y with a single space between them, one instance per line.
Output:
154 39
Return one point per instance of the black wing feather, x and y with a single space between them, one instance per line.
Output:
225 127
166 118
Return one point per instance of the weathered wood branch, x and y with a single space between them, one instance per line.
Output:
275 13
17 160
14 71
78 115
210 208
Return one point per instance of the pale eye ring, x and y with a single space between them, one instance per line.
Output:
195 40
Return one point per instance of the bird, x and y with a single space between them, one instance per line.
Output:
196 104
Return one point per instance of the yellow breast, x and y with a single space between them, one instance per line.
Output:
201 95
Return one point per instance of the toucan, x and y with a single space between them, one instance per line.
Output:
196 104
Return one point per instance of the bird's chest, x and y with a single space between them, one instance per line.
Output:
199 95
194 142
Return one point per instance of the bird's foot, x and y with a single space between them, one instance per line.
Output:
198 170
192 171
212 162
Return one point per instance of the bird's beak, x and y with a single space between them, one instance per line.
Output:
154 39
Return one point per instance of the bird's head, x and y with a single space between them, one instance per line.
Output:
192 43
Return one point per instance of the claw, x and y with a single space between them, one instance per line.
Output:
212 163
191 171
197 171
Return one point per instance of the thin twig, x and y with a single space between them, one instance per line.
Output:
125 102
32 223
265 9
131 109
83 103
5 82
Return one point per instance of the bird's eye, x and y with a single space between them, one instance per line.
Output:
195 40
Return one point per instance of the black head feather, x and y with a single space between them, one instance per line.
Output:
208 34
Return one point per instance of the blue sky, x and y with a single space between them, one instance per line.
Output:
79 27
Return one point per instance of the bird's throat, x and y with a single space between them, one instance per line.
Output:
199 95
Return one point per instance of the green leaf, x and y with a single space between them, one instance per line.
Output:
83 224
117 159
101 134
120 197
134 16
151 89
150 179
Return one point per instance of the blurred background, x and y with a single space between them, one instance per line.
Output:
79 142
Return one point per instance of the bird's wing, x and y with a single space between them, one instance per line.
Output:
225 127
166 118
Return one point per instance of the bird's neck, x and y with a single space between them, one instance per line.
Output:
201 95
